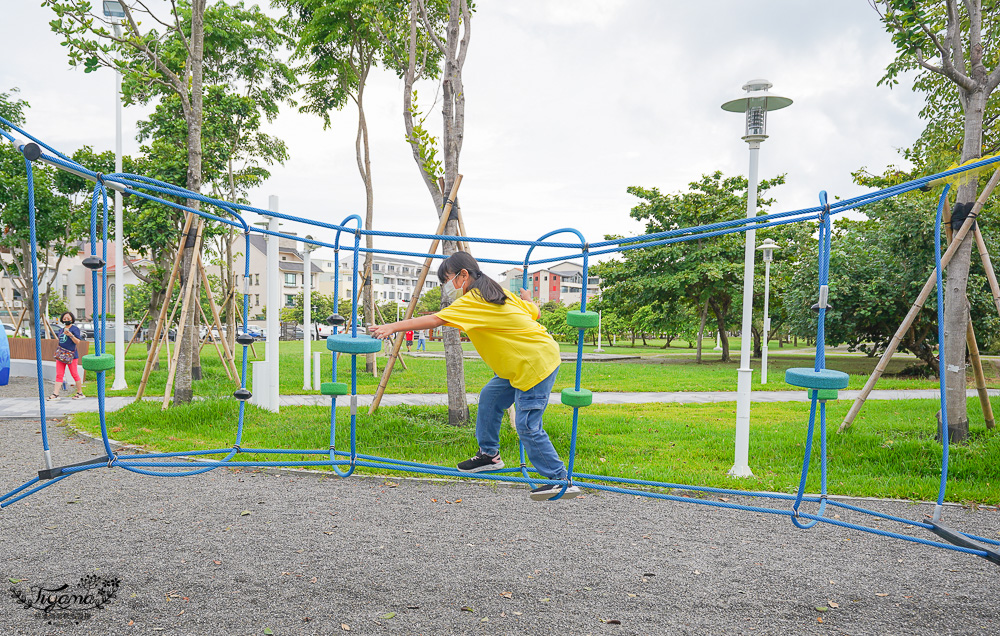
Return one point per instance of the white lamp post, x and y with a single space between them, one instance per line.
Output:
114 11
754 105
768 247
307 249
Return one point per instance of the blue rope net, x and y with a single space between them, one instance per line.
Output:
344 462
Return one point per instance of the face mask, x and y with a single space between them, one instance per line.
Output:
451 291
67 322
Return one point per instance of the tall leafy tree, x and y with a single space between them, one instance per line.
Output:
339 43
62 215
695 272
437 30
178 53
954 41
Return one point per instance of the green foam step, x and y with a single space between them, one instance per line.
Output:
574 398
344 343
822 394
103 362
582 319
334 388
811 379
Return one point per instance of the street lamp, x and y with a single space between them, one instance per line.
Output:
767 247
114 10
754 105
307 248
600 316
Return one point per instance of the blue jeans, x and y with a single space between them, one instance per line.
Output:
495 398
421 345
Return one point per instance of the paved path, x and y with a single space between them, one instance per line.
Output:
27 407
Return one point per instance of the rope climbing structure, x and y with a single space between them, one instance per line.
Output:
822 384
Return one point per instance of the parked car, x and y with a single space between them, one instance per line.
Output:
256 332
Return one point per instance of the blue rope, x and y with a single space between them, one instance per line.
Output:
940 317
156 463
35 305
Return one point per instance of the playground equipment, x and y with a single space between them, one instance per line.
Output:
821 383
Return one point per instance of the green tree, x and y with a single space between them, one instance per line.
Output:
429 302
339 43
957 43
692 272
61 217
192 46
877 268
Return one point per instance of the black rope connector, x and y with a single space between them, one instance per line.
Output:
335 319
586 247
236 447
93 262
816 307
244 339
29 149
959 213
112 459
242 394
100 179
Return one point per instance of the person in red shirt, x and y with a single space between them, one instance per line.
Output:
409 340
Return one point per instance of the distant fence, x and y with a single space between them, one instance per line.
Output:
24 348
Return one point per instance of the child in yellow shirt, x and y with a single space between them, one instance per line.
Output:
505 331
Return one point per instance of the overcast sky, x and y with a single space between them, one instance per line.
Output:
569 102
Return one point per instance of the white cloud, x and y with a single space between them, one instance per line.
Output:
568 103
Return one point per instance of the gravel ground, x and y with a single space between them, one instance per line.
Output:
241 552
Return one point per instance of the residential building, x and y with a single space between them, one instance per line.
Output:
290 276
562 283
393 278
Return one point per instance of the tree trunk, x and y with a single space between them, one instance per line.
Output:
701 330
362 151
956 314
453 51
188 361
757 335
721 326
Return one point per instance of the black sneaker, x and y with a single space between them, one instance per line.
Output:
548 491
480 463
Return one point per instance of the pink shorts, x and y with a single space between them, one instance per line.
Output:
61 370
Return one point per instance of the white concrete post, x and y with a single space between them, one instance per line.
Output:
317 371
273 308
119 382
307 313
741 465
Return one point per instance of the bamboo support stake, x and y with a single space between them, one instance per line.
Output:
20 319
918 304
411 307
188 299
382 318
973 346
135 334
457 212
991 275
10 312
977 367
226 353
154 350
215 342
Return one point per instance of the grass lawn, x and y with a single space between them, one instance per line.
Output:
655 371
889 452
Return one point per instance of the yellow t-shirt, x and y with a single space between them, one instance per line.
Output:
508 337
